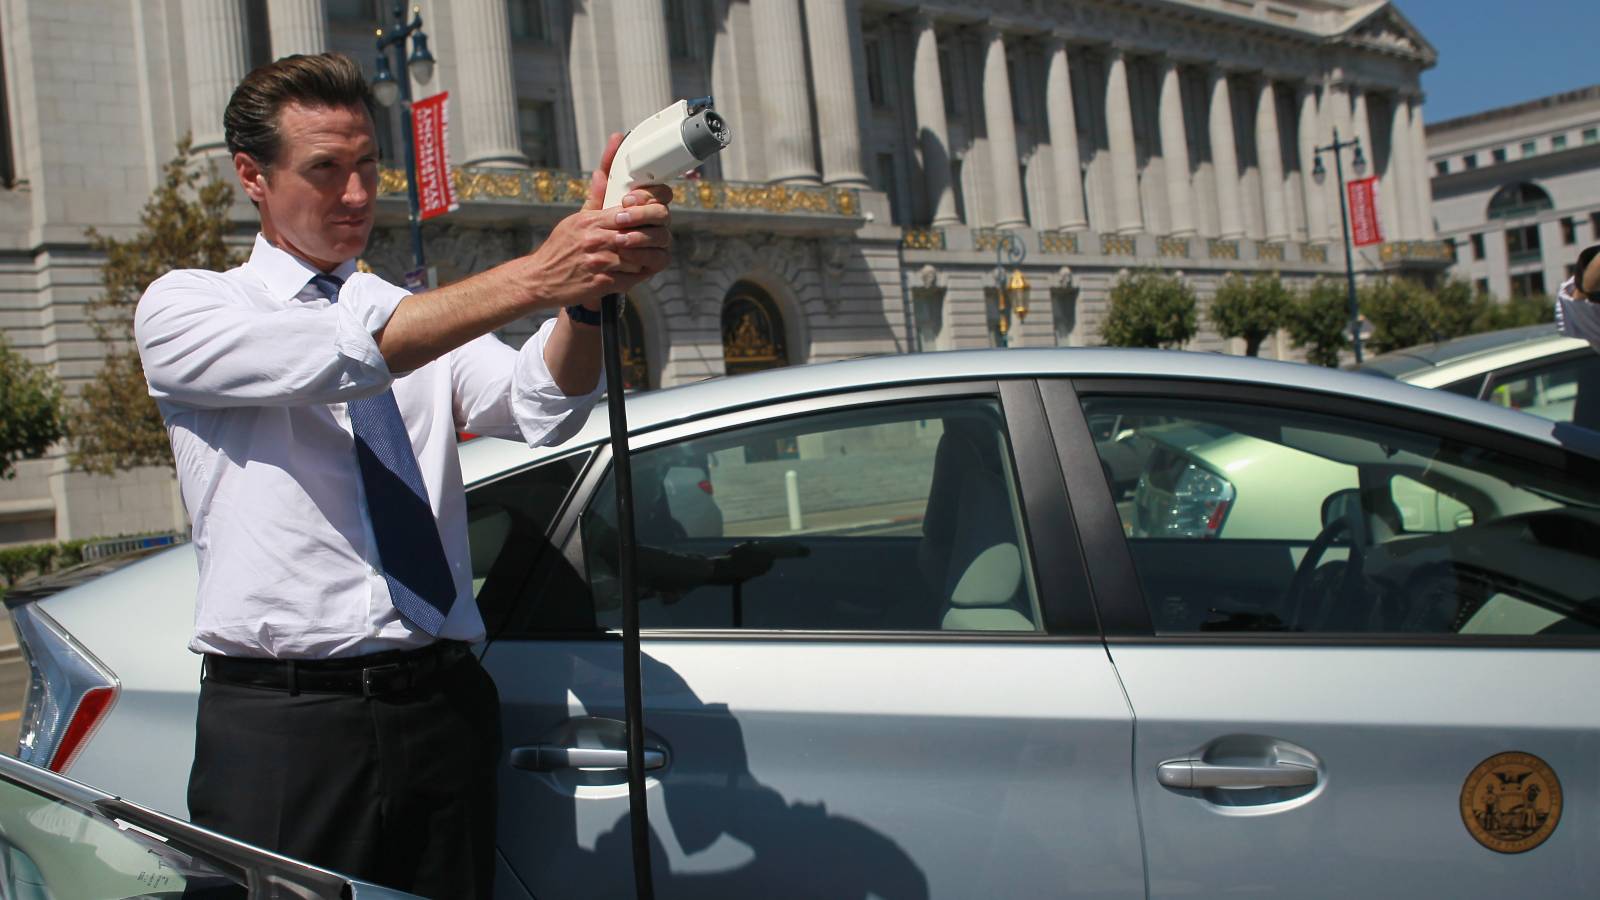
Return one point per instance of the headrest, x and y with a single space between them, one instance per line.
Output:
991 579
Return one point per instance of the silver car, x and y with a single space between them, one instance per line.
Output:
969 666
1535 369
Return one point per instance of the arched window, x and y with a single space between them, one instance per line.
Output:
635 364
1516 200
752 331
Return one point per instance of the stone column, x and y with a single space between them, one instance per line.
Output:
1269 156
640 62
1124 154
1224 157
1398 173
1313 193
297 26
1175 152
1002 127
488 95
217 54
785 93
1063 124
1337 121
833 30
932 131
1424 171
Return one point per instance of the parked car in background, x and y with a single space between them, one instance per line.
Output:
62 839
1534 369
1354 621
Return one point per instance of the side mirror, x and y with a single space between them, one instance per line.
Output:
1345 504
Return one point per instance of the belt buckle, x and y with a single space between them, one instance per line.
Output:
368 689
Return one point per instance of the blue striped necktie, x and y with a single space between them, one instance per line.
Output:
412 555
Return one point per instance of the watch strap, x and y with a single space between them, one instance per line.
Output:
580 313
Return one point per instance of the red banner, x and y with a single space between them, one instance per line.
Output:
430 130
1364 228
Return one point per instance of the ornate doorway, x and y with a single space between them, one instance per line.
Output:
752 331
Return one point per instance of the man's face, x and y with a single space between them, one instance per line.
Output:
317 197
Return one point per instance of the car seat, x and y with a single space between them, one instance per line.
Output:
969 553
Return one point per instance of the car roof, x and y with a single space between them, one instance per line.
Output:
1470 355
647 411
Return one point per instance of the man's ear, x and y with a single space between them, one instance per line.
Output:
252 176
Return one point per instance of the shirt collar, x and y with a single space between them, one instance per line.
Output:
285 274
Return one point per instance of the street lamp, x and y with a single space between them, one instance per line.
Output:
1358 164
387 89
1009 294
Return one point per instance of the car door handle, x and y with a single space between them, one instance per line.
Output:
1192 774
549 758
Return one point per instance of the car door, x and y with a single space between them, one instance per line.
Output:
1345 686
884 691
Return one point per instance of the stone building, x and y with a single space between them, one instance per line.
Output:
892 161
1517 190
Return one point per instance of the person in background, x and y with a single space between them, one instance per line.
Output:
1577 309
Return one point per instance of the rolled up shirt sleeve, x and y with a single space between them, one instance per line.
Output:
510 393
204 343
1577 318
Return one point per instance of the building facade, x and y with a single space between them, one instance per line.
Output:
892 163
1517 190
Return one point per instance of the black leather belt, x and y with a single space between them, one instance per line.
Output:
371 675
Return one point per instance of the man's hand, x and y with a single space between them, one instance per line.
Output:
597 251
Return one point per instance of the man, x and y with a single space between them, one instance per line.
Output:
312 411
1577 313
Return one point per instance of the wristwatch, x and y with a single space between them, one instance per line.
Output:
580 313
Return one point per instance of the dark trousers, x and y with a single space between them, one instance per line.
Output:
396 789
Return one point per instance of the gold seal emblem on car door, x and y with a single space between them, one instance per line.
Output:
1511 802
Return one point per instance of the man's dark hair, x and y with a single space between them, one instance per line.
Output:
1584 258
250 122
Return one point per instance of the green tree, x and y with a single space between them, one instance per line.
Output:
1522 309
1149 309
1319 321
31 417
184 225
1460 309
1403 313
1252 308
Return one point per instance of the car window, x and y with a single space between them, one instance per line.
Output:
517 509
900 517
50 848
1264 519
1466 387
1550 391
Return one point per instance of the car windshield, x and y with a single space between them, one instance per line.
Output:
51 847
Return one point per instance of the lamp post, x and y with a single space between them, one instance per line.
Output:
387 89
1358 164
1009 294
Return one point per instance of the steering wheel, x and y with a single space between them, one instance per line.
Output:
1305 573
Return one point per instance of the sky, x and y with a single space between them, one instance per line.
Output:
1499 52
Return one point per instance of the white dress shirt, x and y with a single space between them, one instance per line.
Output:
1577 318
252 369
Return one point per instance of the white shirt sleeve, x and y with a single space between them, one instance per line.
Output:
510 393
205 344
1577 318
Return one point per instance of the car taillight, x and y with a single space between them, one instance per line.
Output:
704 486
69 691
1182 500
